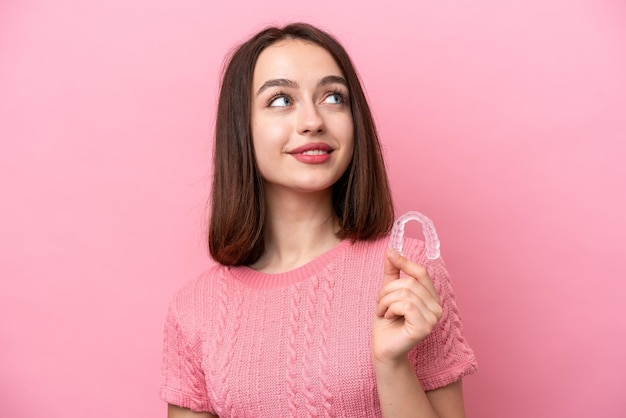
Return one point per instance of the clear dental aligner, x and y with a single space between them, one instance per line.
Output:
396 240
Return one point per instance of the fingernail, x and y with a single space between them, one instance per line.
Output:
393 254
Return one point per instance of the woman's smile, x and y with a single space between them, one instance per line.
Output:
314 153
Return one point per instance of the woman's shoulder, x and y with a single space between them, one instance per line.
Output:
192 296
413 248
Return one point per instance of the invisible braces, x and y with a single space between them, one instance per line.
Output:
396 240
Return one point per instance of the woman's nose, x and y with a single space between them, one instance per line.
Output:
309 120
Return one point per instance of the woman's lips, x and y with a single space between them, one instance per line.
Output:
317 153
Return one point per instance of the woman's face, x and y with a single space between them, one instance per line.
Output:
302 128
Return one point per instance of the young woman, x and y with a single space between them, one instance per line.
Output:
307 312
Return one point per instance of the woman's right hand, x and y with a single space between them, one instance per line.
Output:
407 310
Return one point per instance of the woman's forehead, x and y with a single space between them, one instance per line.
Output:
294 59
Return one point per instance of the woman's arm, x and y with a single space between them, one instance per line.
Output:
407 311
401 395
174 411
448 400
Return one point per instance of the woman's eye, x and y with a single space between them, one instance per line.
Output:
280 101
335 98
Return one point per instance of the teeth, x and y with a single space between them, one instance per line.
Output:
315 152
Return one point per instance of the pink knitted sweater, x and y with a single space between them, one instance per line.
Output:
242 343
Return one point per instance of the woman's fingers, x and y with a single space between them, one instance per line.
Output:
407 295
390 272
407 309
397 262
406 285
417 324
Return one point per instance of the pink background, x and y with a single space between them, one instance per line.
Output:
504 121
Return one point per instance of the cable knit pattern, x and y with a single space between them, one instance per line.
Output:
327 292
240 343
218 375
307 372
229 348
294 318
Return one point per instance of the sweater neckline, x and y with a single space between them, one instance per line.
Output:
257 279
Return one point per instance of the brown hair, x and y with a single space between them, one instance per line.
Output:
361 197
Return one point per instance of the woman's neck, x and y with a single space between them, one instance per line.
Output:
298 228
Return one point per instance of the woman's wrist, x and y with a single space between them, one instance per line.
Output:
399 390
390 364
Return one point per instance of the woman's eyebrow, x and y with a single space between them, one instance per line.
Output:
333 79
277 82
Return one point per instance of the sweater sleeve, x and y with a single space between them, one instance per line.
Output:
182 377
444 356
